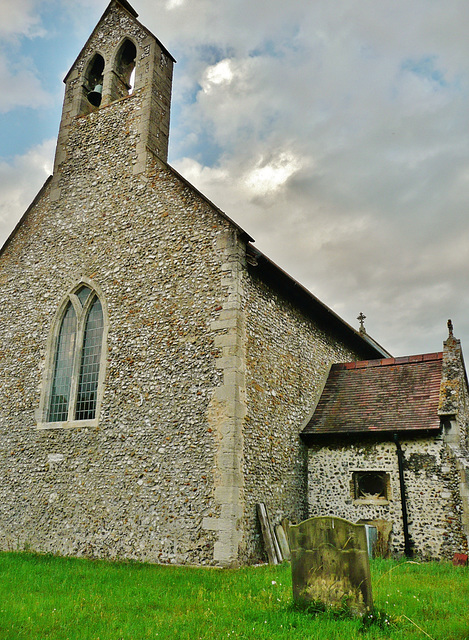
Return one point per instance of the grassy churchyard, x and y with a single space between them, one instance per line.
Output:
51 598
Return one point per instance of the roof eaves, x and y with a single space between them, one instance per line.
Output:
261 260
310 438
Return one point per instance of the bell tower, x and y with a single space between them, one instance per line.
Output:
118 88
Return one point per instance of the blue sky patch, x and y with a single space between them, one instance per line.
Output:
425 68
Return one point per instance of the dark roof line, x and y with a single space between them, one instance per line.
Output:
387 362
329 437
261 259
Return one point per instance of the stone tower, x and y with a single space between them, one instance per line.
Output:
123 75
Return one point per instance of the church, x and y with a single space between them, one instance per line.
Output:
160 376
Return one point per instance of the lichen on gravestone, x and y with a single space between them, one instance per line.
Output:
330 564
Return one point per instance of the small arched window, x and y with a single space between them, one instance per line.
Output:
75 361
124 70
94 78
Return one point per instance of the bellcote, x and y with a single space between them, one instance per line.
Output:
122 60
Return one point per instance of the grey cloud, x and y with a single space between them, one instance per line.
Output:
19 17
371 100
19 183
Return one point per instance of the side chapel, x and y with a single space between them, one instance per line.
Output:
159 373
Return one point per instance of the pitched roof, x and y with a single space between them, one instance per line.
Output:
388 395
262 266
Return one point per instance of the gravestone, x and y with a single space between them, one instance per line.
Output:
330 564
382 548
371 539
282 541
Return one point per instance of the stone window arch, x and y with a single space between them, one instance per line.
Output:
73 383
94 79
123 70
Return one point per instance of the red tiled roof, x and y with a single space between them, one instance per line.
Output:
392 394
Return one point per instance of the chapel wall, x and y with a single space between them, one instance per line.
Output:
288 356
140 484
432 488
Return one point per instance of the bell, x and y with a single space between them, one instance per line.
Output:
95 96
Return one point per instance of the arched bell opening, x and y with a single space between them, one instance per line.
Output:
123 79
93 84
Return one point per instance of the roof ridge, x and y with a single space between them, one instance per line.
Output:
380 396
385 362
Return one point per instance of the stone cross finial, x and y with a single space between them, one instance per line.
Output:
361 318
450 327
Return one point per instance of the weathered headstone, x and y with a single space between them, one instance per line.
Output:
382 548
269 541
330 564
282 541
371 538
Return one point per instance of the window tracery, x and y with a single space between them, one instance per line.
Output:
71 391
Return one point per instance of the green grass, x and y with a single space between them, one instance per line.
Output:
45 597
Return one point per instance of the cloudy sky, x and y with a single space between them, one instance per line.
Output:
336 133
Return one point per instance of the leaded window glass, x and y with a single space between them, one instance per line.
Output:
90 359
74 388
60 395
83 293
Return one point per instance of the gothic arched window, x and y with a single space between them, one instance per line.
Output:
94 80
75 360
124 70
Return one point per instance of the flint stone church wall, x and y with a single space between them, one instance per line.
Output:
210 372
287 362
140 484
432 491
143 484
